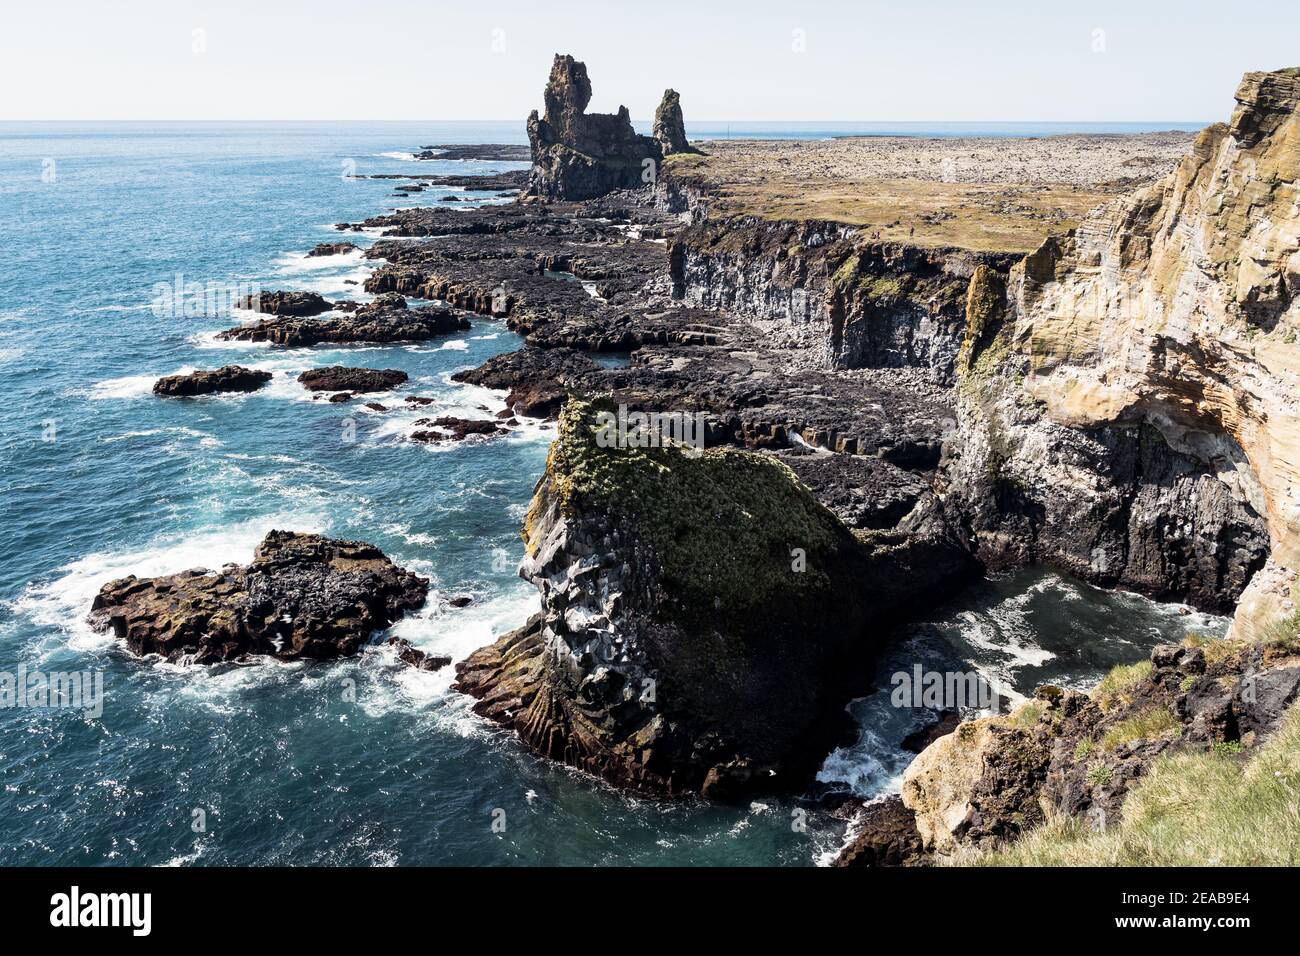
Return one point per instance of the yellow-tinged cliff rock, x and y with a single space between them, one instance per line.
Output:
1174 309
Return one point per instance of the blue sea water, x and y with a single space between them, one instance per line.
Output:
363 761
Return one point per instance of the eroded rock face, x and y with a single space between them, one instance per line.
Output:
228 378
303 596
829 289
669 127
365 325
886 836
577 155
337 378
680 648
1129 411
1069 755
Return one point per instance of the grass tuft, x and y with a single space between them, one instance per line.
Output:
1114 687
1145 726
1193 809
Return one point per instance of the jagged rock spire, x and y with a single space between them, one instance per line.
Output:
670 128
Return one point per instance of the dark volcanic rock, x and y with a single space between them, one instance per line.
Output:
451 428
482 152
683 647
578 155
331 249
945 724
407 653
864 492
514 180
295 304
886 836
535 378
303 596
228 378
365 325
337 378
669 127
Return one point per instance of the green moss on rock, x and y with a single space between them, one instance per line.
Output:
724 525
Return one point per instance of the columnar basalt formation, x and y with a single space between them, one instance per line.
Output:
1128 407
703 617
830 289
577 155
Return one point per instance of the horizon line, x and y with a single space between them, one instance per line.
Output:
1005 122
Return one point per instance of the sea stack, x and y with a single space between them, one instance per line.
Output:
577 155
683 647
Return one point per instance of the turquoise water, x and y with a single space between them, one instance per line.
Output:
99 479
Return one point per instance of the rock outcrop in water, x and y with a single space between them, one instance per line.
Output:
286 303
577 155
337 378
366 325
228 378
331 249
303 596
703 617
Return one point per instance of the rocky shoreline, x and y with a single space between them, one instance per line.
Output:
884 413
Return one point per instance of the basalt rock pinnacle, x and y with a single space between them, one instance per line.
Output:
579 155
670 128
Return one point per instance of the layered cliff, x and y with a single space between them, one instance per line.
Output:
1127 409
1128 402
703 616
830 289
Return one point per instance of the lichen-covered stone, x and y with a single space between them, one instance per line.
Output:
1132 420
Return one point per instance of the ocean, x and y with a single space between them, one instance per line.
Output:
364 761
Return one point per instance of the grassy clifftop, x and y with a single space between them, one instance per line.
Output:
1194 809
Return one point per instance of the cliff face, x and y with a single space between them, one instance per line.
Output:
827 288
701 617
579 155
1128 408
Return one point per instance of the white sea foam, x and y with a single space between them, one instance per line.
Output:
397 154
204 437
130 386
295 262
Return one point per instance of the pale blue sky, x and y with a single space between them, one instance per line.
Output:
488 59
